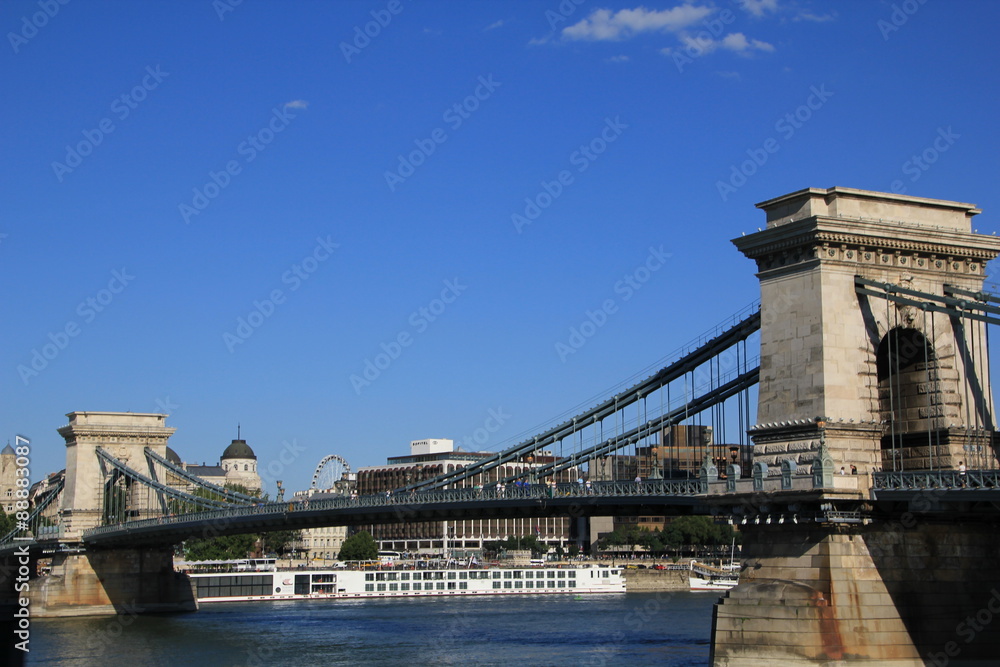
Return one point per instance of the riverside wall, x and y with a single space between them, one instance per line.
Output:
653 581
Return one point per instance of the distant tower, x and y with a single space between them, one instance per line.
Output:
8 478
240 464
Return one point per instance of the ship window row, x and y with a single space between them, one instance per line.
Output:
532 584
235 579
461 585
417 576
506 575
207 591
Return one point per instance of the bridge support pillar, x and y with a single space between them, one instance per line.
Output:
882 374
129 581
898 593
124 435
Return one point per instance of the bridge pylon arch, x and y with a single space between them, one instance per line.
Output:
821 335
124 435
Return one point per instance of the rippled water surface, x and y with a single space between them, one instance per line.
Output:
669 629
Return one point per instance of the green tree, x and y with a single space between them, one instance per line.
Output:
630 537
235 546
279 541
525 542
228 547
360 546
7 523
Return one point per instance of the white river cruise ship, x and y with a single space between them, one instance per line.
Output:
335 583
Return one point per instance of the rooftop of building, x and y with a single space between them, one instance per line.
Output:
238 449
206 471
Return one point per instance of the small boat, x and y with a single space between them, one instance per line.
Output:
707 578
713 582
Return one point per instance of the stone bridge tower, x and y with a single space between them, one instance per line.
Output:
124 435
898 387
840 577
109 581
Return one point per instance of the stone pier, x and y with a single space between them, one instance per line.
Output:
849 380
881 594
122 581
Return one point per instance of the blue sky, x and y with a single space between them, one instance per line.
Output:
467 183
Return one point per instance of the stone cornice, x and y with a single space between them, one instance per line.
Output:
808 430
74 432
873 243
872 235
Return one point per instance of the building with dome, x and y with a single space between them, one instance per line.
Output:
240 464
237 465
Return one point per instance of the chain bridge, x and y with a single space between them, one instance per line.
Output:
866 482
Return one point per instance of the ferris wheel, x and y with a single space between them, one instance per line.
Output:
329 471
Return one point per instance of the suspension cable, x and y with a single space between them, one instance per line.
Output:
927 392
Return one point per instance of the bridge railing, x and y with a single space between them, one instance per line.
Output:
935 479
410 500
35 525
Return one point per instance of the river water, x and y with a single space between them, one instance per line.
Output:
666 629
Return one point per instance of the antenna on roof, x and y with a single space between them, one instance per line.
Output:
237 430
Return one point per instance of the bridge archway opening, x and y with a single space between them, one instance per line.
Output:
909 397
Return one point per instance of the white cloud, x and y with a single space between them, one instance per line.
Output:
736 42
297 104
497 24
759 7
618 59
603 25
818 18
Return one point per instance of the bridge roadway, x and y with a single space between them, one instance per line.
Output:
928 492
535 500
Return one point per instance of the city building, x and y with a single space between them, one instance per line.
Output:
237 465
323 543
8 478
679 454
8 485
432 457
